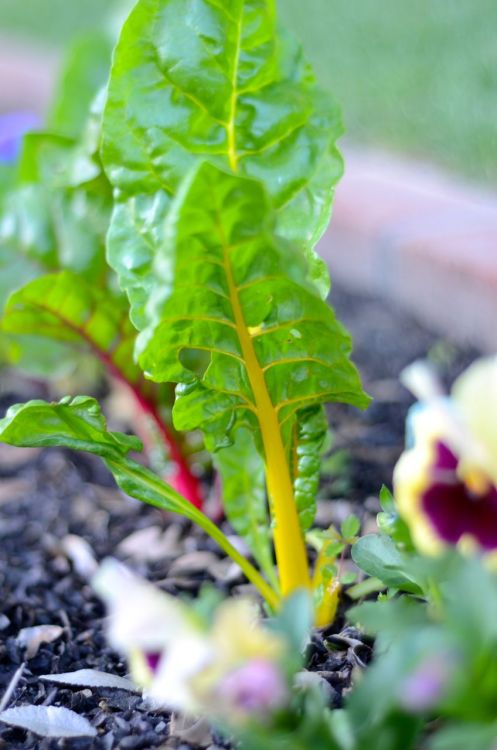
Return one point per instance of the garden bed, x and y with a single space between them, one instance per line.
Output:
47 495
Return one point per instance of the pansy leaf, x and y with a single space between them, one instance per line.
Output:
206 80
378 556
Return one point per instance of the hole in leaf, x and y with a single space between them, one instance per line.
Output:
195 360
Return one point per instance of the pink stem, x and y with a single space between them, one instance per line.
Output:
182 480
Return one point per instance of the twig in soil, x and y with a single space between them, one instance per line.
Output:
48 700
66 623
12 686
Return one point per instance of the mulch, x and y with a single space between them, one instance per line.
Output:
45 496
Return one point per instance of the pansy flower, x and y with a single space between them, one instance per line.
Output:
445 483
230 670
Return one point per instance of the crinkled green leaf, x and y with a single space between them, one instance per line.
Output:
244 497
233 289
75 423
216 81
64 308
308 439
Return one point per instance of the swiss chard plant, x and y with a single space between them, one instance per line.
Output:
220 151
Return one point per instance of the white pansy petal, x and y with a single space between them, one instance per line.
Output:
439 421
141 616
184 660
422 380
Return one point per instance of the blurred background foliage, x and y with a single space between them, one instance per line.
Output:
418 77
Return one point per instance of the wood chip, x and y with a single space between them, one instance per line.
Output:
192 731
80 554
32 638
48 721
152 544
4 622
91 678
193 562
12 490
13 458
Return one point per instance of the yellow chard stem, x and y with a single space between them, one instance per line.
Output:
291 555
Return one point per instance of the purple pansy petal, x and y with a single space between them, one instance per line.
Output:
445 460
424 688
153 660
456 511
13 127
255 688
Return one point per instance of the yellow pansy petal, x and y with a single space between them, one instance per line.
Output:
475 393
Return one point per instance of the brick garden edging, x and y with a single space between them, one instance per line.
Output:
26 76
419 238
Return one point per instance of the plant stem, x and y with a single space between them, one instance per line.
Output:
184 481
289 545
142 484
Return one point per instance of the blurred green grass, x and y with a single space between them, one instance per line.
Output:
419 77
52 22
414 76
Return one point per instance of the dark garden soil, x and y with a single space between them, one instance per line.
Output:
51 500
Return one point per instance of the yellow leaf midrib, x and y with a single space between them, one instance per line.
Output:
231 124
288 539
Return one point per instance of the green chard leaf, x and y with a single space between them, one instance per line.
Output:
63 310
231 288
27 247
308 440
63 307
75 423
207 80
244 497
78 424
57 216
